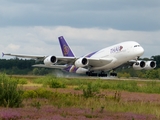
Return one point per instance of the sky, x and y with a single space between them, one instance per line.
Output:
33 26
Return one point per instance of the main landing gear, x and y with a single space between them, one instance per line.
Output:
101 74
113 74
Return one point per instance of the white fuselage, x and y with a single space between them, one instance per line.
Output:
119 53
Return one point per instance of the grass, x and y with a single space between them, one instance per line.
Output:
127 85
105 103
94 95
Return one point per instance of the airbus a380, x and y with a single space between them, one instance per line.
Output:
96 63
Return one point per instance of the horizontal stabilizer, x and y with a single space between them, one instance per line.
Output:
51 66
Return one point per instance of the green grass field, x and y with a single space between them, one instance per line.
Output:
79 98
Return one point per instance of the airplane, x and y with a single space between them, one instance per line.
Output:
96 63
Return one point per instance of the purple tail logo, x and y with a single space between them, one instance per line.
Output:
65 50
65 47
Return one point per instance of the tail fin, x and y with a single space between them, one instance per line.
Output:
65 47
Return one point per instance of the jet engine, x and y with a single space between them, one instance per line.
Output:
147 65
150 65
50 60
81 62
139 65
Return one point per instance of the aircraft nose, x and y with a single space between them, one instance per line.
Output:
141 50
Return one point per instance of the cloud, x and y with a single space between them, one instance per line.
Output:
13 47
43 40
120 15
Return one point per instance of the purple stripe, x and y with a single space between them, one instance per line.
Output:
71 68
89 55
68 68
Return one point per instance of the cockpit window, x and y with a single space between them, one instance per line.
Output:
137 46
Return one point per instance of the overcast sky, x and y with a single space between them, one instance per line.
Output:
33 26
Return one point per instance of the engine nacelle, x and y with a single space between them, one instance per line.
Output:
139 65
81 62
50 60
150 65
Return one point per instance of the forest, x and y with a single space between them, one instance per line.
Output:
18 66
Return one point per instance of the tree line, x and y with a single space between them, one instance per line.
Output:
24 67
21 67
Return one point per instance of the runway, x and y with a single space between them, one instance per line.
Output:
114 78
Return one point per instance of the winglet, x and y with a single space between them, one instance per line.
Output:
66 50
2 54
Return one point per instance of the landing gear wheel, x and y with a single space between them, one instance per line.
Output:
113 74
91 73
102 74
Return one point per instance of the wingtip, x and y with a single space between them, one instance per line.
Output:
2 54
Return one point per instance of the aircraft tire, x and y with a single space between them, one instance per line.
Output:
113 74
102 75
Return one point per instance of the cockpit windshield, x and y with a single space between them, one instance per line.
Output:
137 46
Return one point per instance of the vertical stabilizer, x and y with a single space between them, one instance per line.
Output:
65 47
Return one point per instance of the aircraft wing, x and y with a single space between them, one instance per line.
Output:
25 56
60 59
65 60
132 61
96 62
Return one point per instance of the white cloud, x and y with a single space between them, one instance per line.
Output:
13 47
44 40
